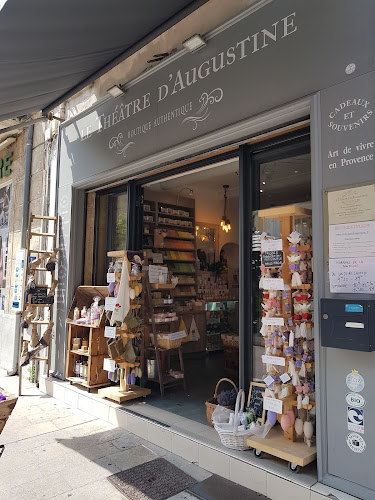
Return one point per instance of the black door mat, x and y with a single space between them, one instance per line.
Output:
218 488
155 480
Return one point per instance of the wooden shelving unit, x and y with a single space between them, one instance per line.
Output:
164 379
97 344
177 245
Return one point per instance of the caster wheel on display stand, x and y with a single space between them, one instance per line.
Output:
293 467
258 453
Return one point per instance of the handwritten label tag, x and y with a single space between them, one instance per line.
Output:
110 303
273 360
272 404
109 365
284 378
110 332
177 335
111 277
271 245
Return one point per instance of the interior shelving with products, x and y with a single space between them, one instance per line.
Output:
169 230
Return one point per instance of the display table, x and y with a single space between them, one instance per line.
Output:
296 453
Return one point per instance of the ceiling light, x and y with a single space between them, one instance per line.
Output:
194 43
115 91
261 190
296 171
263 183
7 142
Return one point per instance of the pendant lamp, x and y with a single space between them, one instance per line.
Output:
225 222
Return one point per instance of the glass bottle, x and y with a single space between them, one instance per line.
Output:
76 314
83 312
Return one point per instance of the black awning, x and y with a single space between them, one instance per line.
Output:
50 49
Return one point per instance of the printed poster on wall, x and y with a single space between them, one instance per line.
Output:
356 239
5 194
351 205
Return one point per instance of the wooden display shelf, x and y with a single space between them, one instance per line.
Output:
274 444
118 395
84 383
79 352
184 228
163 214
162 286
183 238
284 211
307 286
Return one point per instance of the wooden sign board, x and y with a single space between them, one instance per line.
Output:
255 400
273 258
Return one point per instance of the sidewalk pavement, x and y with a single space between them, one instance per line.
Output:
55 451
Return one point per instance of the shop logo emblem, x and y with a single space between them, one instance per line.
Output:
356 442
355 400
355 420
121 148
355 381
204 112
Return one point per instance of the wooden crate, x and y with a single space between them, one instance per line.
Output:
6 408
84 296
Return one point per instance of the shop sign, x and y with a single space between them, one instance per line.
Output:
348 131
280 52
5 163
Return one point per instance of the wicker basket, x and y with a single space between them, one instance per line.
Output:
6 408
212 403
165 342
231 437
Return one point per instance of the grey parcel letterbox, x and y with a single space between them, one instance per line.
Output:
348 324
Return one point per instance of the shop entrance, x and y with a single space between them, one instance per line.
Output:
191 226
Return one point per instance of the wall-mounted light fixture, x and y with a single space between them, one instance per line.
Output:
7 142
225 222
115 91
191 192
194 43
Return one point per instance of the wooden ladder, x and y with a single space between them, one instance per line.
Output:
33 312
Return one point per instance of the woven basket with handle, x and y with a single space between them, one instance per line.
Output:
212 403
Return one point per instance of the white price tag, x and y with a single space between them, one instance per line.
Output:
110 303
271 245
110 332
272 404
273 321
284 378
273 284
109 365
111 277
273 360
177 335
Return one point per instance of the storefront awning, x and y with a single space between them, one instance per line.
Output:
50 50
